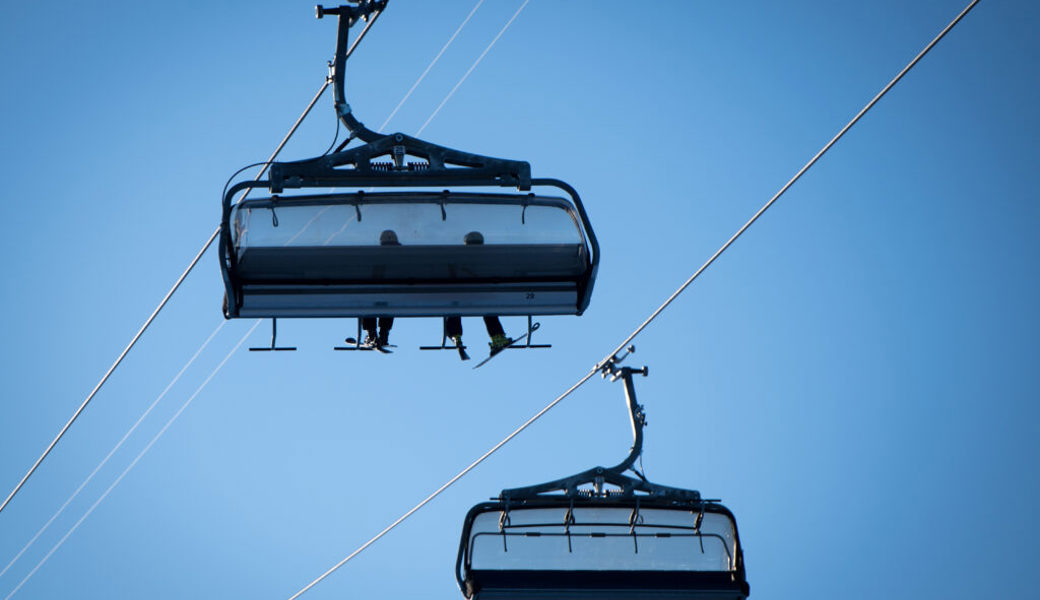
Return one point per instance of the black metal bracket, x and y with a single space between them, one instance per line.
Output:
444 342
435 160
274 338
361 9
531 328
438 166
599 477
353 343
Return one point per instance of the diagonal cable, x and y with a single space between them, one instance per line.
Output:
190 267
610 357
473 66
184 275
447 484
158 308
118 445
430 66
791 182
133 463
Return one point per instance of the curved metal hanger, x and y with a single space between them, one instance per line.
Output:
349 15
436 161
598 477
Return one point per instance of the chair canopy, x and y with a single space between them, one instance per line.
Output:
406 254
609 548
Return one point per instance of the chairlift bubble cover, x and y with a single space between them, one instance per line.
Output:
618 548
321 256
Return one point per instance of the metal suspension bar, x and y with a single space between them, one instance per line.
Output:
599 476
636 416
348 16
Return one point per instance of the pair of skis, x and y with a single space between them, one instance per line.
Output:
515 343
385 348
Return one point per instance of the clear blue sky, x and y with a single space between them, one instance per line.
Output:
856 379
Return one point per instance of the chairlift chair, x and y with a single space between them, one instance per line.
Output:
602 534
297 254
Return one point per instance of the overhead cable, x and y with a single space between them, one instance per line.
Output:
162 303
115 448
473 66
430 66
188 270
610 357
292 130
133 463
447 484
787 185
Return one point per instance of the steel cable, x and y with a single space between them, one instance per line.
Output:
430 66
191 266
115 448
446 485
184 275
791 182
473 66
158 309
133 463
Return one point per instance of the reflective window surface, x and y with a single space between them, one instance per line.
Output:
602 539
348 221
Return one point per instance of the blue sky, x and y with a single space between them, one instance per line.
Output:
856 378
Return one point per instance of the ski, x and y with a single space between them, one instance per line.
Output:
495 352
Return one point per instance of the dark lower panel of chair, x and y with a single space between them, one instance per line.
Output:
605 585
409 300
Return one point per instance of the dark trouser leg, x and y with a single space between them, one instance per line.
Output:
385 323
452 326
494 326
369 325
